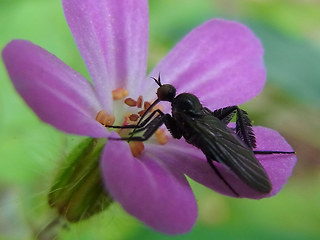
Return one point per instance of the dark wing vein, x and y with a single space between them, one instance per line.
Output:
220 144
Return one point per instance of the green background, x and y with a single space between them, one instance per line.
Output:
30 151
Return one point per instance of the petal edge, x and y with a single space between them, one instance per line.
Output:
56 93
220 61
149 191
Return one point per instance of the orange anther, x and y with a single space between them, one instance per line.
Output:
119 93
146 105
139 101
130 102
126 119
161 136
158 107
141 112
134 117
136 148
104 118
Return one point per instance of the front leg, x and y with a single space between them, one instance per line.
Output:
139 125
153 126
150 129
170 123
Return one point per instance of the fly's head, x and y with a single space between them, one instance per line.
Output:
165 92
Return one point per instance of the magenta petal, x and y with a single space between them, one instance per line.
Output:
220 61
279 167
55 92
149 190
112 36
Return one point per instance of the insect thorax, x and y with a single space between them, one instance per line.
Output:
186 103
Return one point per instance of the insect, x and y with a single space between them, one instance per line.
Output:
208 131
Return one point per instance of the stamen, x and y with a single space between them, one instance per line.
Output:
126 119
134 117
136 148
158 107
104 118
130 102
119 93
139 101
161 136
146 105
141 112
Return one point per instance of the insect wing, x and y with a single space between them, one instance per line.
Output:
220 144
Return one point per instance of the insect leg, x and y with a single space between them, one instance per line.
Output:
221 177
145 114
273 152
243 124
172 126
224 114
140 125
151 128
244 128
170 123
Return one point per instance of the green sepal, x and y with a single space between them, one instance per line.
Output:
78 191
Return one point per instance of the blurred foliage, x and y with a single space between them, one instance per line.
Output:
30 150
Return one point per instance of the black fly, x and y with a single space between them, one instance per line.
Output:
209 132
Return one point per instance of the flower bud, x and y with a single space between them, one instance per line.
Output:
78 192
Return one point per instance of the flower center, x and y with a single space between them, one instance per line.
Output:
136 109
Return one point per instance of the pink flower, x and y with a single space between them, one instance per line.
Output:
220 61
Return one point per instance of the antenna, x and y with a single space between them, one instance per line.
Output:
158 81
